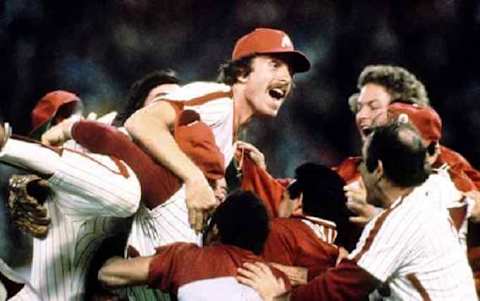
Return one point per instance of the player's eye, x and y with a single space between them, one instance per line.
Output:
374 105
275 63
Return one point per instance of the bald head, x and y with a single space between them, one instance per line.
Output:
399 147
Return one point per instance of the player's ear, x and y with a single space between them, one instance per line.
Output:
242 78
379 170
297 207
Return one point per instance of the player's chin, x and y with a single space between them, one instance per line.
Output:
270 113
272 110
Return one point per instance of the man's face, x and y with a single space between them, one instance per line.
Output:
289 206
268 85
159 91
372 106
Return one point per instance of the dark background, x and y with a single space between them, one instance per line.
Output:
96 49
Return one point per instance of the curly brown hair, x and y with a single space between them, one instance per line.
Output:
402 85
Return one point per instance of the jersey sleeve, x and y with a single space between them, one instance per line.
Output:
463 174
157 182
83 185
347 281
163 268
268 189
94 185
280 245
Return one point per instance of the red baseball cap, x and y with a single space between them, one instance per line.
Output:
270 41
424 118
49 105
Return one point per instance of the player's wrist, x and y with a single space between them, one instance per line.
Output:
70 124
195 178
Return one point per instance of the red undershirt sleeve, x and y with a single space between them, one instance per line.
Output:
347 281
157 182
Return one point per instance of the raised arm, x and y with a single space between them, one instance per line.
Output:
151 127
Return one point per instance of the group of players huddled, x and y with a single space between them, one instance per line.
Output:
135 205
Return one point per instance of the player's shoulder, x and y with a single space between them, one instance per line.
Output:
284 222
288 226
177 248
453 158
199 89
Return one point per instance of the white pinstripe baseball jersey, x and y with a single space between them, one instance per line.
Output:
414 248
88 192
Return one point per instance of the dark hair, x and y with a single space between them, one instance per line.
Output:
139 91
432 148
232 70
402 85
399 147
323 197
242 221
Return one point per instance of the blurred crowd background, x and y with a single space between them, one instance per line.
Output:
97 48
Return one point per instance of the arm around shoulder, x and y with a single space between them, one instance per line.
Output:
118 272
152 127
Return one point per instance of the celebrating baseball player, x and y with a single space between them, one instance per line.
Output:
85 193
154 225
256 82
399 252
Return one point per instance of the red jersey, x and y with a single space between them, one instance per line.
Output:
202 273
292 242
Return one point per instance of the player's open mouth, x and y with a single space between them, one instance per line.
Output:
277 93
366 131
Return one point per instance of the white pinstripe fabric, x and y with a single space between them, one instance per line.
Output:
324 229
87 194
417 238
167 223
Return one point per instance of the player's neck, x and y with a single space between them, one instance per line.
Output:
242 110
393 193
